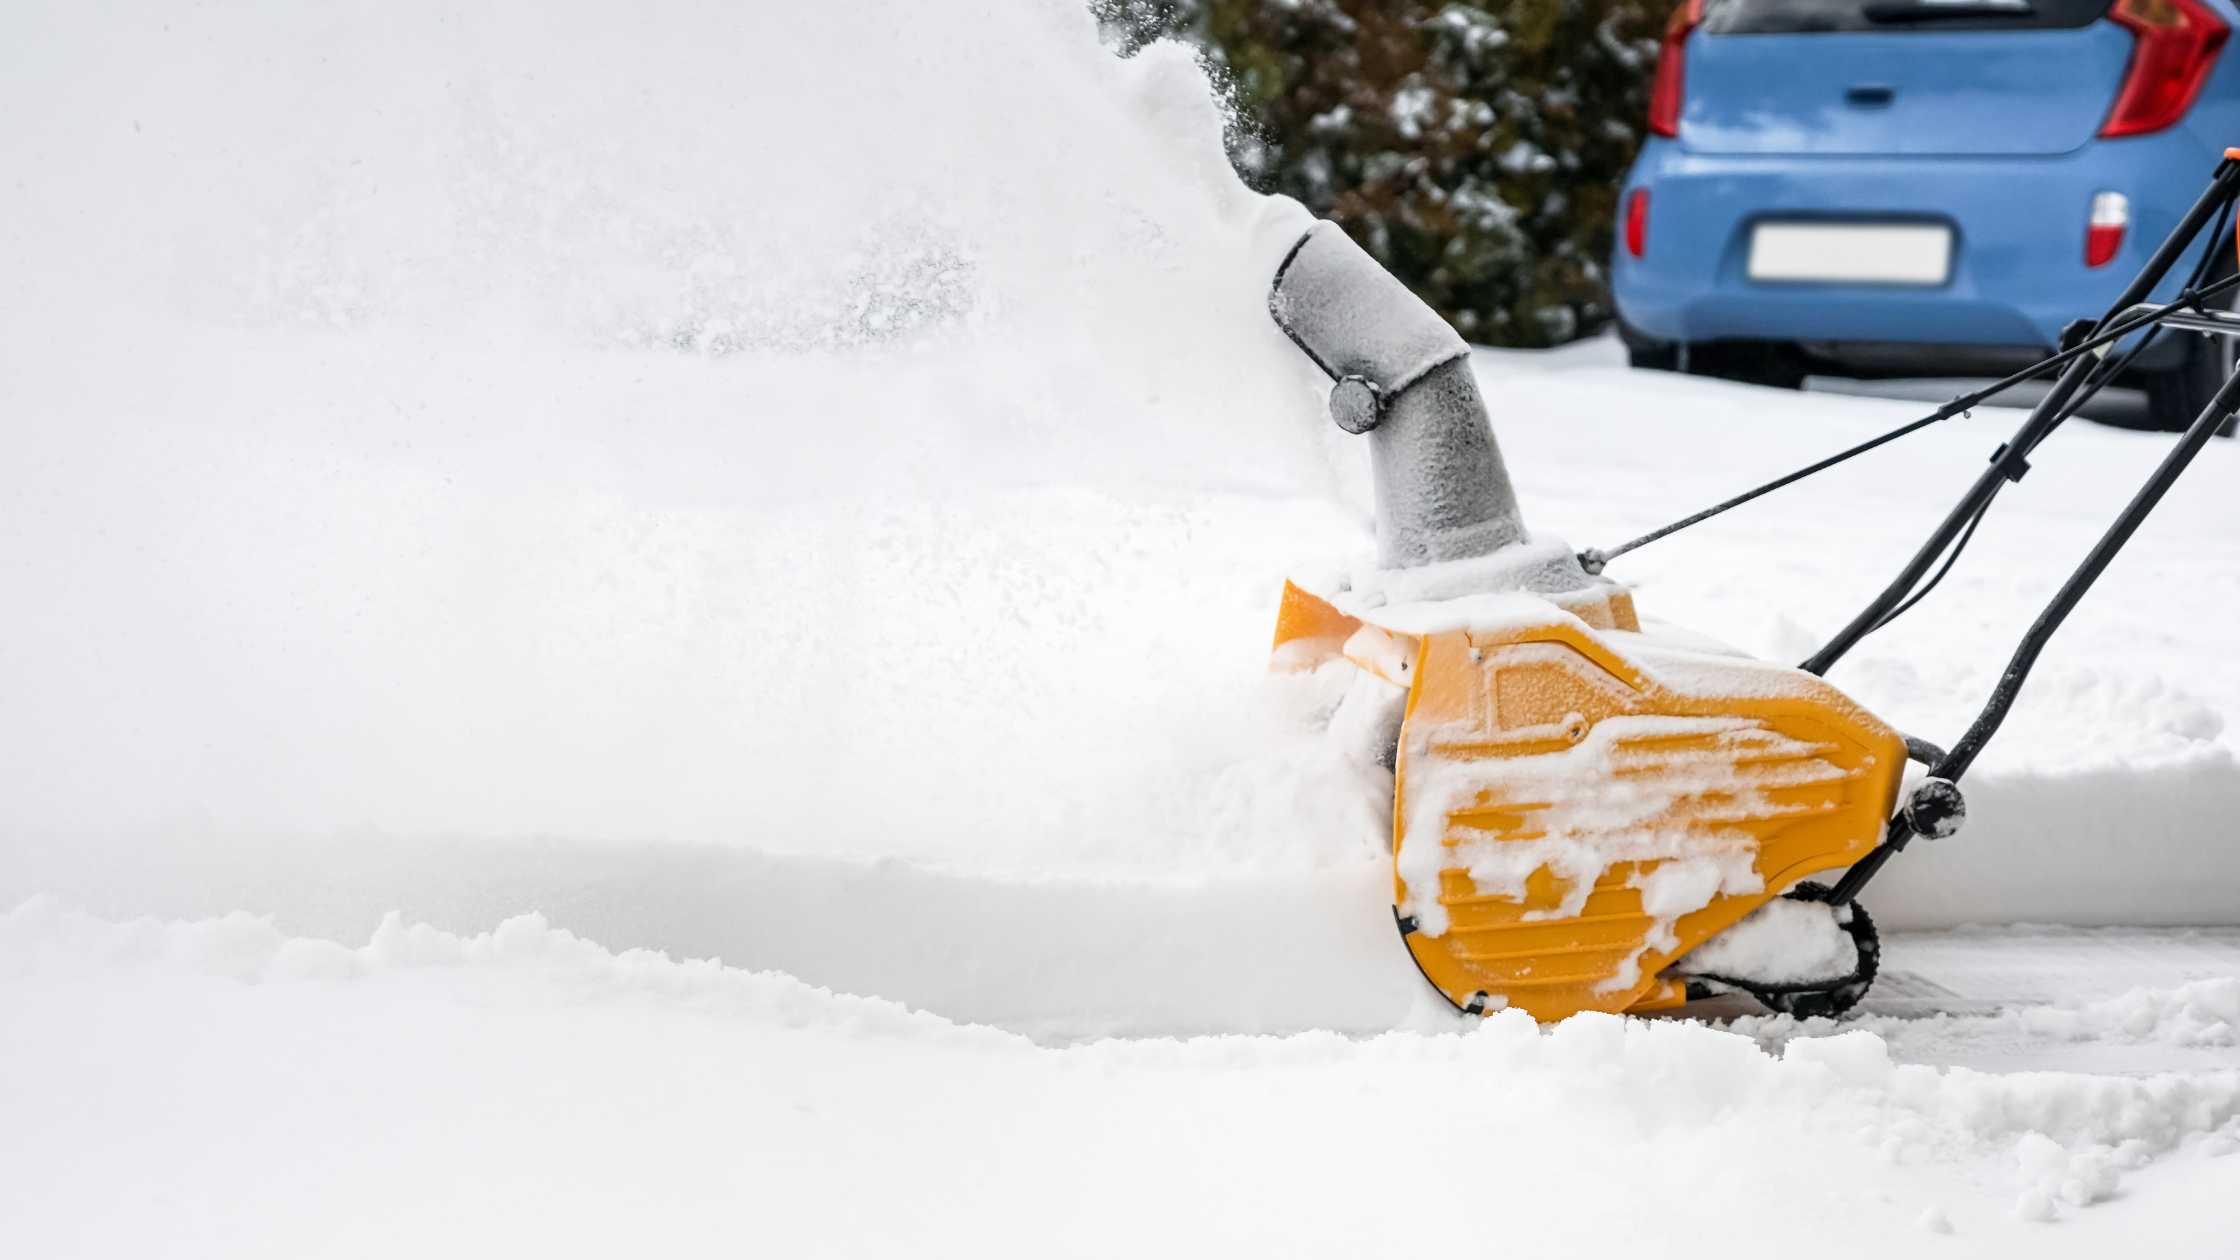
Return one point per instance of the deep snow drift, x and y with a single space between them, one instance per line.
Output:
810 486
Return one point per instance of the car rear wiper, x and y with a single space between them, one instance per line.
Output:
1933 10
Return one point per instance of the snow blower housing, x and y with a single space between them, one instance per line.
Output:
1590 816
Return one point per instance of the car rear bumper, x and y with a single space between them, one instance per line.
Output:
2018 273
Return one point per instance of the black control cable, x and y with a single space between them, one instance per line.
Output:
1594 559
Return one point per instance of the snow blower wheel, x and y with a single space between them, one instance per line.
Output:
1811 999
1581 805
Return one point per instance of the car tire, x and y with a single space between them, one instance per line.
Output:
1767 363
1654 358
2176 396
1750 362
1647 352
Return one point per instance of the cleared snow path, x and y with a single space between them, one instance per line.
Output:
2110 1000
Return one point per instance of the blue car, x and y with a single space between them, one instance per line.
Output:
1919 187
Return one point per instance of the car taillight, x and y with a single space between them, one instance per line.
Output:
1670 85
2177 44
2103 227
1637 222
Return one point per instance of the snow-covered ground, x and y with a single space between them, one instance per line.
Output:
808 486
528 1091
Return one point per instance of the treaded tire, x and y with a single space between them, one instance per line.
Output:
1830 1003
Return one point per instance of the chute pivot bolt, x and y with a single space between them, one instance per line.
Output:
1356 404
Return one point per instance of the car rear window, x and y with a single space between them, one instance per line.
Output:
1769 17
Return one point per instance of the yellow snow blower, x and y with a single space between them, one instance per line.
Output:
1591 815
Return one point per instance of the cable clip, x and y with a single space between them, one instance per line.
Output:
2012 468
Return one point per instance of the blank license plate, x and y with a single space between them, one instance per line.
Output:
1852 253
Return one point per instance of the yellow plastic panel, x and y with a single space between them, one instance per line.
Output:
1614 760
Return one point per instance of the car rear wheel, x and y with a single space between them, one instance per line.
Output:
1645 351
1751 362
2176 396
1768 363
1658 358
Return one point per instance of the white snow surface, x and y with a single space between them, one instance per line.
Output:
527 1090
809 486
